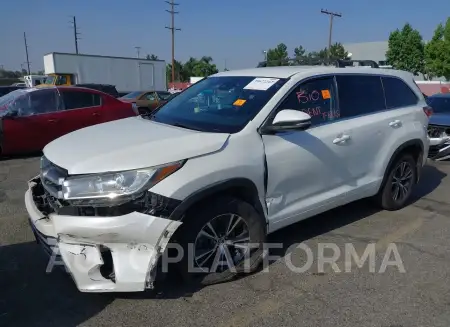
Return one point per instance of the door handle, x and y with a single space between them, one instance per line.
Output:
96 114
341 139
52 120
395 123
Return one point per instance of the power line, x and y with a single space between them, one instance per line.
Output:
75 33
172 27
138 51
26 52
332 15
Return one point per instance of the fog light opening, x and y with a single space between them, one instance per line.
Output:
107 269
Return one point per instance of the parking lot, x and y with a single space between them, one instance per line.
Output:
280 297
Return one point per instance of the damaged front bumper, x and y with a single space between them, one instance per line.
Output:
439 143
134 242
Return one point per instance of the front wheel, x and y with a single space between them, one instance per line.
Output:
399 184
221 238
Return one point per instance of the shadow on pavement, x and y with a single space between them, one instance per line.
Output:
430 180
31 297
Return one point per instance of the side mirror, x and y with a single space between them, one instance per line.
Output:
289 120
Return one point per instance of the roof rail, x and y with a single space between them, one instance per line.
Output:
318 62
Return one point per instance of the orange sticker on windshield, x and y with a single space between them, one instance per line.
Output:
326 94
239 102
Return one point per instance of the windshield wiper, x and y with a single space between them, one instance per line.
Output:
187 127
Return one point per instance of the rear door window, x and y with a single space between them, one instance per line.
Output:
397 93
360 95
78 99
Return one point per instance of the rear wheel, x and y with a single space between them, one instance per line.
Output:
396 190
220 239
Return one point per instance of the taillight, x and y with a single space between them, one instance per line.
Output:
428 111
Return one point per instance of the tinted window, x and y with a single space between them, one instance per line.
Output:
316 98
40 102
397 93
439 104
79 99
359 95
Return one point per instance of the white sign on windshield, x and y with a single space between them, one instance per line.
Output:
261 84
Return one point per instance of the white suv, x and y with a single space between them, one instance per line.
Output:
231 159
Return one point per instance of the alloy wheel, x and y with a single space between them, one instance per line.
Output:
222 243
402 181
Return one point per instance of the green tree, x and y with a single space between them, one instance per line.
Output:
406 50
278 56
188 68
300 55
204 67
179 74
152 57
337 51
437 52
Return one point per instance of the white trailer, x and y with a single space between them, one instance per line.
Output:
127 74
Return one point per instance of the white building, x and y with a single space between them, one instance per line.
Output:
374 51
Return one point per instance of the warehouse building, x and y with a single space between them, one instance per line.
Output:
375 51
368 51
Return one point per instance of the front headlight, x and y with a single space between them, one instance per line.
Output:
113 185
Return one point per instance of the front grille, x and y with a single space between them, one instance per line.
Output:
52 177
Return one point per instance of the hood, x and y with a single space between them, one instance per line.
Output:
127 144
440 119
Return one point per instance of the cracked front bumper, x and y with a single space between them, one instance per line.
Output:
439 148
135 242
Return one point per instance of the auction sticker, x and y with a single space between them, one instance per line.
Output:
261 84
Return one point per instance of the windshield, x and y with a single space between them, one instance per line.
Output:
132 95
219 104
164 95
7 98
50 80
13 101
439 104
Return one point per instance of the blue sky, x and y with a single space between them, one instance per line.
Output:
235 31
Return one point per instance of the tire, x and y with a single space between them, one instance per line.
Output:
386 196
217 212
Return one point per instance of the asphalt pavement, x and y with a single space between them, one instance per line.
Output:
347 295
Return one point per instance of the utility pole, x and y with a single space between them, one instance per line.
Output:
332 15
138 51
172 28
26 52
75 33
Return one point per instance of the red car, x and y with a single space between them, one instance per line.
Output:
31 118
